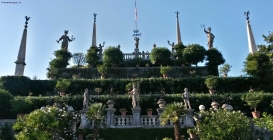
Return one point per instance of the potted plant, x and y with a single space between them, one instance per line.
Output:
225 69
165 71
80 132
20 106
191 132
149 111
63 86
211 82
253 99
102 69
123 111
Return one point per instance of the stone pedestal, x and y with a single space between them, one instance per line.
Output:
110 117
188 122
136 116
136 52
84 120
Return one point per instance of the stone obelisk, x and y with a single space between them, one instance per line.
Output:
20 62
251 42
178 35
94 37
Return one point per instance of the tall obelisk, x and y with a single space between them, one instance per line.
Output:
20 62
94 38
251 42
178 35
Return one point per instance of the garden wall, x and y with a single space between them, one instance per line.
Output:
132 72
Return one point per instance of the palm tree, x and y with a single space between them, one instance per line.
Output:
96 113
172 112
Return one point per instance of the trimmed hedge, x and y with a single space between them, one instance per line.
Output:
149 101
137 133
22 85
16 85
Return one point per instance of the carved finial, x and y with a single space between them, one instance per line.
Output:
27 18
95 17
177 14
247 15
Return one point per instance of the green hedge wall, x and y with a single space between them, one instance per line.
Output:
138 133
148 101
16 85
22 85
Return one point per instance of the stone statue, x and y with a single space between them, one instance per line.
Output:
65 39
100 50
86 99
135 93
172 45
137 41
247 13
154 45
186 99
210 37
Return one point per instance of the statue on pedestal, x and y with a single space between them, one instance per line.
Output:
65 39
135 94
86 99
172 45
137 41
210 37
185 97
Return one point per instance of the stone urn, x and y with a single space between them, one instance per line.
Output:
110 103
215 105
161 103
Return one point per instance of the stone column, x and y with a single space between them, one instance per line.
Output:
110 117
136 116
188 122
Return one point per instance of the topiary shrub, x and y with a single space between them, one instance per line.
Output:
16 85
5 105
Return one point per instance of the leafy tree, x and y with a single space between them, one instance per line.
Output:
112 56
223 125
46 124
179 48
194 53
96 113
78 59
267 49
225 68
258 65
160 55
172 113
92 56
214 58
60 62
63 85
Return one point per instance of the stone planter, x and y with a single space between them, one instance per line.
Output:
256 114
149 112
110 103
123 113
161 103
165 75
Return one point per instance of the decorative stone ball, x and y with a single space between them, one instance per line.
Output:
202 107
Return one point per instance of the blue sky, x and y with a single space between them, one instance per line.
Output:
115 24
